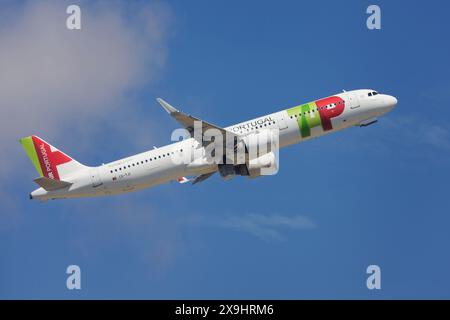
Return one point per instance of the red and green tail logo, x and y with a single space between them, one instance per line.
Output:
45 157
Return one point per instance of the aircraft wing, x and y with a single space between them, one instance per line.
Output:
196 179
187 121
202 177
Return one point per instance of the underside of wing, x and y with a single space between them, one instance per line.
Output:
202 177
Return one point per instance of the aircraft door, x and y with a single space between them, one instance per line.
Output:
353 100
96 181
282 120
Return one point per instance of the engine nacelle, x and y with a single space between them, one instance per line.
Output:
267 164
228 171
257 144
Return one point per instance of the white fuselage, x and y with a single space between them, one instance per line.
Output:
156 166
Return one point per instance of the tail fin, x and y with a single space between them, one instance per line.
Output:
48 160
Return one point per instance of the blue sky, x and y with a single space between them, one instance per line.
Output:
375 195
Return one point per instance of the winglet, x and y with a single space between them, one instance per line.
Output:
166 106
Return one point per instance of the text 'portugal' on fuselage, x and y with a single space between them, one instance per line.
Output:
60 176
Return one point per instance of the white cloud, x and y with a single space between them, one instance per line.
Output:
412 131
409 135
266 227
61 83
437 136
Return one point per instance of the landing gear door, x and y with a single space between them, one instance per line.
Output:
95 178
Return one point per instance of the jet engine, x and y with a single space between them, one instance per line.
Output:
257 144
266 164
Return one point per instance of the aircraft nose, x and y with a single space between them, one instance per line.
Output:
390 101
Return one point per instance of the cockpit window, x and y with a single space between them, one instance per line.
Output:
374 93
370 94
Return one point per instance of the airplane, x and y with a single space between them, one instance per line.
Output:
62 177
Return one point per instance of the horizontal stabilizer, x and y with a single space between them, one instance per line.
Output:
51 184
183 180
